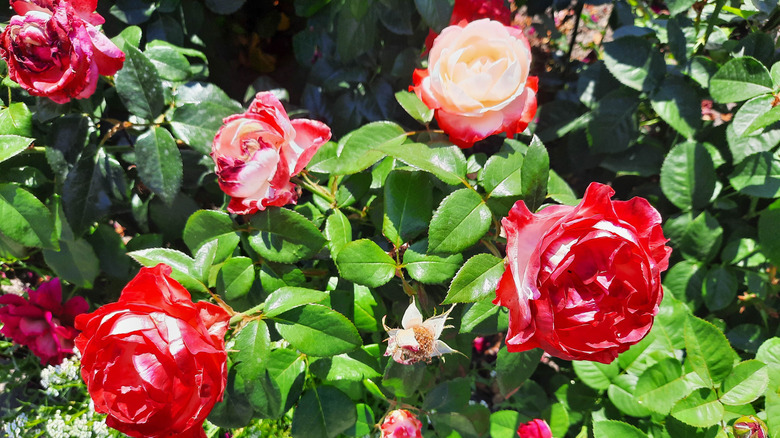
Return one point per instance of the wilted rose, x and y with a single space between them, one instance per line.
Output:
257 152
401 423
417 340
53 48
471 10
154 361
42 322
534 429
478 81
583 282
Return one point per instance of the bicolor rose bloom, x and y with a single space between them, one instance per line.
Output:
54 50
583 282
471 10
534 429
42 322
478 81
418 340
257 152
401 423
154 361
750 426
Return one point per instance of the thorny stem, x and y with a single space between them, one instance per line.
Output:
492 248
577 14
710 24
240 316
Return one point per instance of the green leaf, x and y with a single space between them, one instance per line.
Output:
365 422
484 317
12 145
86 190
772 404
287 369
701 409
316 330
235 277
197 123
129 35
720 288
685 281
504 424
253 343
284 236
502 174
286 298
621 394
75 262
698 238
459 222
534 175
199 92
613 127
708 351
25 219
204 226
436 13
560 191
414 106
354 366
234 410
758 175
403 380
171 65
444 161
449 396
612 428
323 412
740 79
678 104
746 383
408 205
513 369
181 264
159 163
430 269
363 147
635 63
756 113
16 119
364 262
661 385
596 375
688 176
768 237
338 231
476 280
139 85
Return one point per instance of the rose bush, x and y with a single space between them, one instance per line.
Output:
583 282
154 361
534 429
257 152
478 81
53 48
42 322
401 423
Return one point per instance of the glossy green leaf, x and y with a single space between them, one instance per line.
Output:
701 409
768 237
197 123
403 380
338 231
502 173
138 85
696 238
16 119
75 262
364 262
756 113
613 125
596 375
171 65
612 428
353 366
436 13
535 174
414 106
284 236
621 394
317 330
11 145
513 369
661 385
477 279
459 222
720 288
450 396
504 424
323 412
708 350
235 277
363 147
740 79
688 176
253 343
25 219
445 161
758 175
430 269
635 63
365 421
678 104
685 281
287 369
484 317
746 382
408 205
286 298
204 226
159 163
181 264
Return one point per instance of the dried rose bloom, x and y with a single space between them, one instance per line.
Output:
418 340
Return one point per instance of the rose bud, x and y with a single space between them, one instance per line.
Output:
750 426
42 322
154 361
582 282
401 423
55 51
478 81
418 340
257 152
534 429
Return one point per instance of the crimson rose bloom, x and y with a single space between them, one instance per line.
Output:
258 151
534 429
154 361
478 81
583 282
53 48
42 323
401 423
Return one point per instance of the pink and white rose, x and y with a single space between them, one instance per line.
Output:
401 423
257 152
54 50
478 81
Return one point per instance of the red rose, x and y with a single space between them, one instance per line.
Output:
478 81
534 429
471 10
42 323
583 282
257 152
154 361
401 423
54 50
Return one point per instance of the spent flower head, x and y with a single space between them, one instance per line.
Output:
418 340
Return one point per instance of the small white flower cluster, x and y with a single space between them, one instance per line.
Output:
16 428
82 425
58 375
